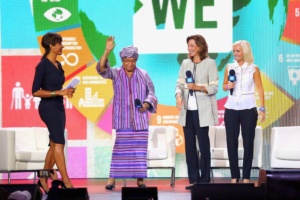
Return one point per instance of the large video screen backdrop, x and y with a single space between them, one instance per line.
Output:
159 29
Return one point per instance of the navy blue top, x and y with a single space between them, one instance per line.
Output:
48 77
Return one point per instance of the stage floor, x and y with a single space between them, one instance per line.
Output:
96 187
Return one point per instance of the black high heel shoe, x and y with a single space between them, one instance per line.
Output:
142 185
189 187
41 186
110 186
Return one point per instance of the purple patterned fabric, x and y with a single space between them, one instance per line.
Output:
129 52
129 155
126 90
130 149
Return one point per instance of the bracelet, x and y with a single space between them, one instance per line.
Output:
201 89
226 86
262 109
53 94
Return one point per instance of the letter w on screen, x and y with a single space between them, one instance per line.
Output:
162 26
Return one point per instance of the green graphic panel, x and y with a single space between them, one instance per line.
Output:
102 159
57 15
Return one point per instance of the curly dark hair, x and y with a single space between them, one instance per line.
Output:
201 43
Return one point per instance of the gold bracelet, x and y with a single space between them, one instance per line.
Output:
53 94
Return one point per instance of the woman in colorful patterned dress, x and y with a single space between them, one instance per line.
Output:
134 97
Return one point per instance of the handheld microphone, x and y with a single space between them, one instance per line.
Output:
231 78
137 103
189 79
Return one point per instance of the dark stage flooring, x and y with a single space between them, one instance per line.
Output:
95 186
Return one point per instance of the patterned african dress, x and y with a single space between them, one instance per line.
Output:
130 150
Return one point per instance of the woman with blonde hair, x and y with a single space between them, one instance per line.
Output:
241 78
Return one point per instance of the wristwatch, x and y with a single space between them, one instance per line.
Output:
263 109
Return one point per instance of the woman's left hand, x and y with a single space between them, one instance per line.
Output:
144 107
191 86
69 92
262 116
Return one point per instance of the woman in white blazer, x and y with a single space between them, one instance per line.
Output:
196 90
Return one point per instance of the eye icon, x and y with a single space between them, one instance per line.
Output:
57 14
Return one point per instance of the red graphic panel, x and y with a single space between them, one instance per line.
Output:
19 108
291 31
221 110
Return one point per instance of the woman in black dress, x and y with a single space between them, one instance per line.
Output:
48 81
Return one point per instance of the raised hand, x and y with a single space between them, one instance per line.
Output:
110 44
